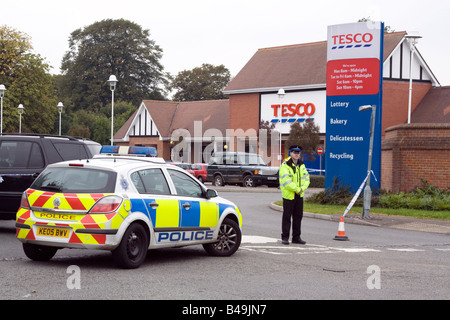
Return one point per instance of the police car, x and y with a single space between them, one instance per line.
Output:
126 205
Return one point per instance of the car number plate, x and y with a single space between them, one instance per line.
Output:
53 232
271 178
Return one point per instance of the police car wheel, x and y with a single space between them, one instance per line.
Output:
229 240
39 253
132 250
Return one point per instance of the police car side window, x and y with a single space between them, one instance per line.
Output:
185 185
137 181
150 181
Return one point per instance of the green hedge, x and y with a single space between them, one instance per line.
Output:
426 197
317 181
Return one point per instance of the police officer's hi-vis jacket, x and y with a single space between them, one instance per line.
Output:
293 178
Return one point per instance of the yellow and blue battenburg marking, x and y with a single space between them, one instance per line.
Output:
182 220
172 213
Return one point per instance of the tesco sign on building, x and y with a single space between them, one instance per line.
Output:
294 107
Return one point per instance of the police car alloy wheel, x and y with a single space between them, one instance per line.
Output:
229 240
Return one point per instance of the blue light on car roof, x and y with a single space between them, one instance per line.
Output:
125 150
109 149
146 151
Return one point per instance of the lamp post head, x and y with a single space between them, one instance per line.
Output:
412 37
365 107
20 108
112 82
60 106
2 90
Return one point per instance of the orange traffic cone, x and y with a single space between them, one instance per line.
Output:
341 231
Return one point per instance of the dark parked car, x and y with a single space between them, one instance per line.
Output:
248 169
24 156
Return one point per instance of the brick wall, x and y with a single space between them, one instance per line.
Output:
395 101
244 111
412 152
163 147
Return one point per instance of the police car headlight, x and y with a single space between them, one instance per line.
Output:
106 204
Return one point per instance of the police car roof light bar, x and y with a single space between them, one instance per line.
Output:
109 149
125 150
144 151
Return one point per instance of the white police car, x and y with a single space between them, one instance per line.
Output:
126 205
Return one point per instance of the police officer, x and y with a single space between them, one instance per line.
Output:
294 180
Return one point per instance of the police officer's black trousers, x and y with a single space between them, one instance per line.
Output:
292 209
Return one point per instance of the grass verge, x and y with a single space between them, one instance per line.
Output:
339 210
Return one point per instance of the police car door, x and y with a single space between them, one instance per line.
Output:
161 206
198 215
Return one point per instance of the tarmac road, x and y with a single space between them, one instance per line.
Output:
379 220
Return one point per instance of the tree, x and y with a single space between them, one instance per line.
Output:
202 83
307 136
28 82
387 29
97 125
13 45
118 47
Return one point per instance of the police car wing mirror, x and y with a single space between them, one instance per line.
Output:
210 193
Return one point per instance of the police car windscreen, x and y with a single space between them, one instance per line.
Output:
75 180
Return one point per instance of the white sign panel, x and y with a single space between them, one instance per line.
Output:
294 107
354 41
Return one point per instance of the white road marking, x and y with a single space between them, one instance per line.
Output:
273 246
405 249
258 239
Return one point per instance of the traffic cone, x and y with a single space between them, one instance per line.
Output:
341 231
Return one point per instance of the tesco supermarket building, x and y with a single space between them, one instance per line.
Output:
300 71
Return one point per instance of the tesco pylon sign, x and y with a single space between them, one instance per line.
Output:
354 79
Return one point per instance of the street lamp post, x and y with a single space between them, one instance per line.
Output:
281 93
60 107
2 94
367 189
112 85
20 110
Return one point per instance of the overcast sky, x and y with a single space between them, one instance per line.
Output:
228 32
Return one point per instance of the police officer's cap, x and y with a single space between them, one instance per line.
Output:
295 147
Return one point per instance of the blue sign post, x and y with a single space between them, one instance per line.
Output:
354 79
